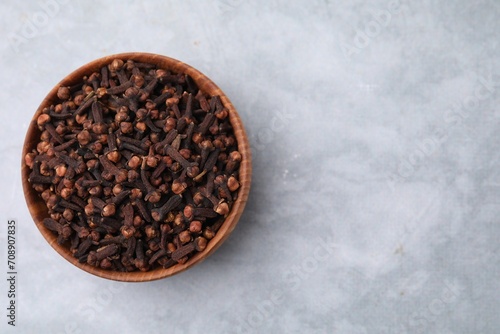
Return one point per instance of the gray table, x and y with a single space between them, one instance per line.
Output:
374 128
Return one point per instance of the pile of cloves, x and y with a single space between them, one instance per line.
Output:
137 166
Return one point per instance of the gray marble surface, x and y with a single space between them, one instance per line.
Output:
375 200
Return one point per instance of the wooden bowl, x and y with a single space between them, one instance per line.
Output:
39 210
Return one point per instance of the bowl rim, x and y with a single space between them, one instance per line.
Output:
36 205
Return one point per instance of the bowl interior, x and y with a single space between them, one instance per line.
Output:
38 208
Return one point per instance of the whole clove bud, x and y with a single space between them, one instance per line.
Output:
136 165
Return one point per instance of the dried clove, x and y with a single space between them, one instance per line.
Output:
137 167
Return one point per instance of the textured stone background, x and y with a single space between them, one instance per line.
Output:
374 127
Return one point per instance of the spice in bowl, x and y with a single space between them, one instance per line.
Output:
137 167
